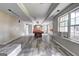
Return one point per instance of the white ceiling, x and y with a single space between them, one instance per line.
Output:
37 10
28 11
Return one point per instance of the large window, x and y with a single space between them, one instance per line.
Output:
69 25
74 24
63 23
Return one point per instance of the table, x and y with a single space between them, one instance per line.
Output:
37 33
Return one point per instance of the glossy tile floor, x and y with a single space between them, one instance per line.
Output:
38 47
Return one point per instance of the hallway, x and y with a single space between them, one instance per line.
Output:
39 29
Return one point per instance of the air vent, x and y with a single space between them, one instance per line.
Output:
13 12
58 10
9 10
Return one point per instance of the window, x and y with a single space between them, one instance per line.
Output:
74 24
71 28
63 23
77 20
72 31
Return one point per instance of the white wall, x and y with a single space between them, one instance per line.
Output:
10 28
50 26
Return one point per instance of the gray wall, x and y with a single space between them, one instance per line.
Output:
73 47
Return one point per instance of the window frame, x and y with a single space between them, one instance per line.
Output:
63 21
69 21
75 25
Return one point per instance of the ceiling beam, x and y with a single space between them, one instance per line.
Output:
51 8
25 10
